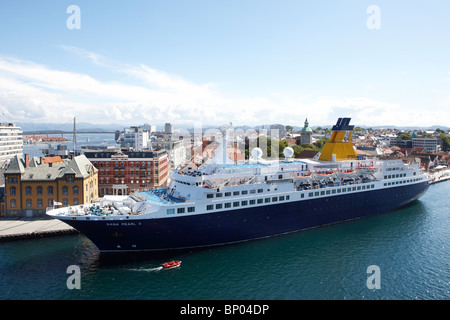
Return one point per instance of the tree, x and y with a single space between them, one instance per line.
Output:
289 128
445 142
405 136
321 143
297 150
308 146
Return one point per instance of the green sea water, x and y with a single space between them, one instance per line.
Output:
410 246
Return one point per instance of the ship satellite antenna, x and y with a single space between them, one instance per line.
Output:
257 153
288 152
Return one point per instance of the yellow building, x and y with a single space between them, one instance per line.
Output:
32 185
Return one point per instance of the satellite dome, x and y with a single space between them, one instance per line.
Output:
257 153
288 152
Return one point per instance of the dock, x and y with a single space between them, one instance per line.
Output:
31 228
439 176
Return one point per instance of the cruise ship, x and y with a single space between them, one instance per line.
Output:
225 202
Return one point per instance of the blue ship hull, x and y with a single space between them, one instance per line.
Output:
217 228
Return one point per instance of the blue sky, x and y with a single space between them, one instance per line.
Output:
214 62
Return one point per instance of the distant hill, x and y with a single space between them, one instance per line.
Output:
57 127
89 127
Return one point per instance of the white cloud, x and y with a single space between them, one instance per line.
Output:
35 92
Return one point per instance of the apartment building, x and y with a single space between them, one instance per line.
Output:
11 141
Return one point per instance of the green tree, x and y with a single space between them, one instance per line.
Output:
319 144
405 136
445 142
297 150
308 146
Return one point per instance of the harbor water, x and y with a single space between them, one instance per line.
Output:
409 248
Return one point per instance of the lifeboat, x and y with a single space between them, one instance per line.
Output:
324 174
306 175
344 173
366 170
171 264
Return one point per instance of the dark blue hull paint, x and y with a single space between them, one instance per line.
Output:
179 232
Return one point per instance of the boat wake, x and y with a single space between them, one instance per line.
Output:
147 269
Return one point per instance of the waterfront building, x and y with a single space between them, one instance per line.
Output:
32 184
122 173
11 141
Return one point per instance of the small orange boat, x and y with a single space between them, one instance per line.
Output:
171 264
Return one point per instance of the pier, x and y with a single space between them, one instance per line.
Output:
31 228
439 176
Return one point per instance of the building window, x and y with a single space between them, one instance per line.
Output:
13 180
39 202
28 203
75 202
12 191
50 191
75 190
50 202
65 190
13 203
65 202
39 191
28 191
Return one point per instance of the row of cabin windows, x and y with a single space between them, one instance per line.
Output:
402 182
40 190
39 202
235 193
340 190
181 210
243 203
401 175
310 194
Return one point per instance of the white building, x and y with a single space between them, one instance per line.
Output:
11 141
142 141
176 151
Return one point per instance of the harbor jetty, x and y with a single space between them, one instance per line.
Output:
30 228
440 175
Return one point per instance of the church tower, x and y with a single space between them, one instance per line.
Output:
306 134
